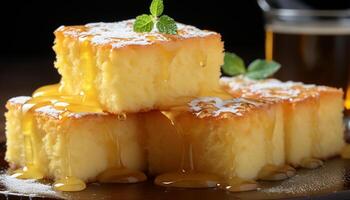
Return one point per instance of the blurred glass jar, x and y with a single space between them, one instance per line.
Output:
310 39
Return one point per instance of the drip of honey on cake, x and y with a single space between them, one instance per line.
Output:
85 102
50 96
69 184
236 184
118 173
187 176
121 175
276 173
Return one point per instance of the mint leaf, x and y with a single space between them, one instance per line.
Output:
164 24
233 64
157 8
260 69
143 23
167 25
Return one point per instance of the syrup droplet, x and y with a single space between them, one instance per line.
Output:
187 180
236 184
121 175
187 176
202 64
69 184
311 163
28 172
276 173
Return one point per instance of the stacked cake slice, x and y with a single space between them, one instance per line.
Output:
265 128
232 138
312 115
130 72
130 103
67 143
87 127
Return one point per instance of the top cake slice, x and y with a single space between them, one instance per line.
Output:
125 71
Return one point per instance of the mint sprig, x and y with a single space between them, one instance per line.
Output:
144 23
258 69
156 8
165 24
233 64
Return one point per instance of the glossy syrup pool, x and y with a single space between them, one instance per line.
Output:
331 181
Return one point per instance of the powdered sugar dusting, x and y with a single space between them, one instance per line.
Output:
57 113
120 34
27 187
83 114
19 100
49 110
214 106
270 89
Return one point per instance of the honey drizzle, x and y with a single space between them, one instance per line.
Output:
187 176
119 173
69 183
51 96
237 184
276 173
30 170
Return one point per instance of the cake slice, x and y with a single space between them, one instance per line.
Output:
312 114
126 71
73 147
237 140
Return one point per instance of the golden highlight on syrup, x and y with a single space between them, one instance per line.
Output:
187 176
118 173
51 95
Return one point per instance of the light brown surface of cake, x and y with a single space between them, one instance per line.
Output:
80 145
232 138
312 114
127 71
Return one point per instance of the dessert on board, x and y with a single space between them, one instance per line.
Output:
143 98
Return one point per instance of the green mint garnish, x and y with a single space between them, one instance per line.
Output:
143 23
258 69
164 23
167 25
233 64
156 8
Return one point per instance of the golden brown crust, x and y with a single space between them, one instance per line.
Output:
120 34
275 91
214 108
49 112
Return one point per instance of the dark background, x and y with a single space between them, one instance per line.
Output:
28 26
26 30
